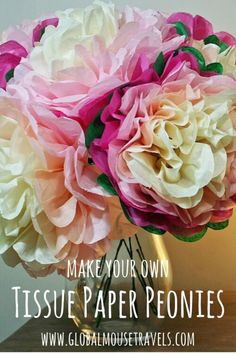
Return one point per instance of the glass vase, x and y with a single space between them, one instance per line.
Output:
119 298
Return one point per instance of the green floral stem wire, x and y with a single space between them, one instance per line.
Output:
106 283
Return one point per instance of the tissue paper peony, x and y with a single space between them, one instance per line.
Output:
113 120
165 141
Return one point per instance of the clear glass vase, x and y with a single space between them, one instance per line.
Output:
119 298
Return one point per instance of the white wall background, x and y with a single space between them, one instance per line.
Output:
214 257
220 12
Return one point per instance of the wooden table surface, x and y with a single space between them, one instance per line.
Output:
210 334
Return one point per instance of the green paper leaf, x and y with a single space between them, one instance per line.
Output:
198 55
192 238
94 130
103 180
126 212
154 230
9 75
181 28
42 32
212 39
223 47
215 67
215 40
218 225
159 64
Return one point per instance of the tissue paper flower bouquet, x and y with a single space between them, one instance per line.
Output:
112 121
